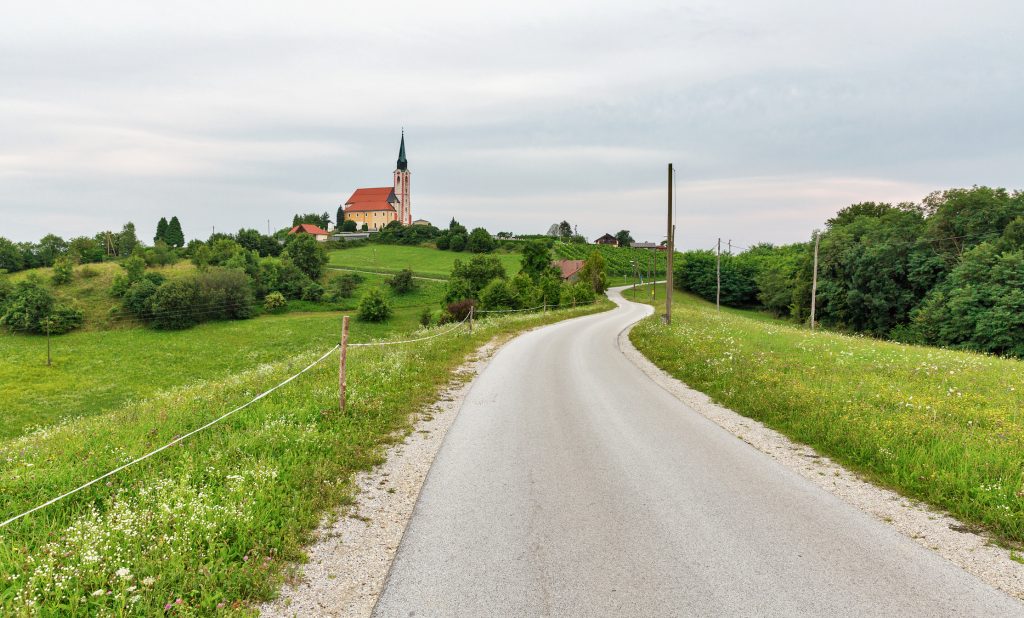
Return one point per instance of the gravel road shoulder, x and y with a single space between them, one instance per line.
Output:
947 536
349 562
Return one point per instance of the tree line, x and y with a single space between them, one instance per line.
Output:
948 271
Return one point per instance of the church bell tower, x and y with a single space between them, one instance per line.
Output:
402 178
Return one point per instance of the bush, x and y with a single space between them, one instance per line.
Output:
27 305
579 293
480 241
88 272
457 242
64 319
137 298
426 317
527 294
458 311
348 226
443 242
223 293
497 295
342 286
172 304
63 269
275 302
402 283
374 306
314 292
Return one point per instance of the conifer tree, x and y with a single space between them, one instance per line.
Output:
161 231
175 237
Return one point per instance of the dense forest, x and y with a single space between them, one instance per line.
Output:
948 271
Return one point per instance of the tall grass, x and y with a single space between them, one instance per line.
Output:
206 527
942 426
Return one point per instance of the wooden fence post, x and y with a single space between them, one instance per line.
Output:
471 307
341 363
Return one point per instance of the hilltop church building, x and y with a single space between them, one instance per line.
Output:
376 207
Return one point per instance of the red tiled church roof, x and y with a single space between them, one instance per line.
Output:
364 200
308 228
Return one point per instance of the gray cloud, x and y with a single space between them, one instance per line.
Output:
517 115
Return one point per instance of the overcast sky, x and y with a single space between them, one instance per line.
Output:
517 114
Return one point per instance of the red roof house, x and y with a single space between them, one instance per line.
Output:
569 269
308 228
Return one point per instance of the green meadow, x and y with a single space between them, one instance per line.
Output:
97 370
209 526
422 261
942 426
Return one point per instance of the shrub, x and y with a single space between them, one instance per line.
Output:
374 306
137 298
550 290
224 293
579 293
348 226
63 319
342 286
457 242
459 311
403 282
134 268
526 294
480 241
155 278
172 304
27 305
426 316
497 295
87 272
119 286
314 291
443 242
275 302
63 269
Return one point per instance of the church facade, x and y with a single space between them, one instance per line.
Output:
378 206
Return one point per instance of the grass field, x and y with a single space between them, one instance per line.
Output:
941 426
423 261
95 371
207 527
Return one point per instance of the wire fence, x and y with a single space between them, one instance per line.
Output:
468 320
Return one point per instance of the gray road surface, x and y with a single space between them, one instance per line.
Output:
572 485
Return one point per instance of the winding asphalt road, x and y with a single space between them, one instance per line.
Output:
571 485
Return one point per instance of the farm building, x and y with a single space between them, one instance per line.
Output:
569 269
607 239
316 232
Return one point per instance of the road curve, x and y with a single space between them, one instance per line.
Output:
571 485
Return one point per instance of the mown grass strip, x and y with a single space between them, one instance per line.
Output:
213 520
941 426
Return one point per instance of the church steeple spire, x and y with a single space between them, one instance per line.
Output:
402 163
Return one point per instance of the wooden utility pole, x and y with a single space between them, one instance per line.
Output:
730 247
341 363
471 307
671 250
718 277
814 277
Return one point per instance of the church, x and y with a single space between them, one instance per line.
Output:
376 207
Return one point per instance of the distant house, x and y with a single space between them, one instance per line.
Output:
316 232
569 269
421 222
607 239
644 245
